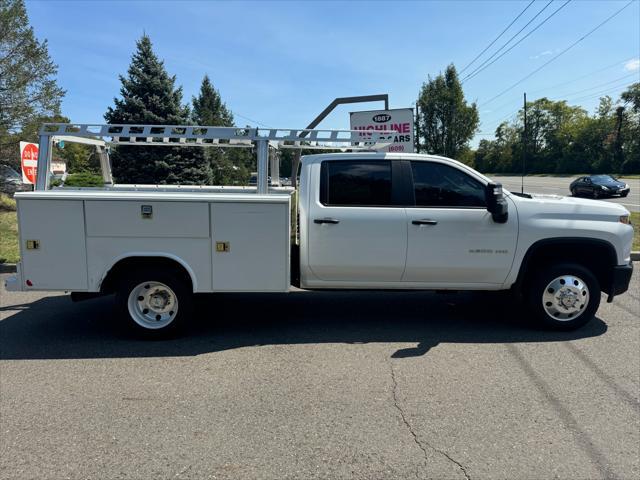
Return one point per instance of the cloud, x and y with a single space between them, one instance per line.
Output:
541 54
632 65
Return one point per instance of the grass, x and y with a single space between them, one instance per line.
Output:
635 219
9 252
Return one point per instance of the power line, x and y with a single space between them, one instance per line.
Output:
600 85
472 75
496 39
618 63
559 54
600 93
508 41
251 120
513 115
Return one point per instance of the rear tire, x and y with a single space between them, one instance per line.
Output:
563 297
154 302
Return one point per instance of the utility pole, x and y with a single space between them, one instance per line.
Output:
524 145
417 128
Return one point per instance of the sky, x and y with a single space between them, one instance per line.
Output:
279 64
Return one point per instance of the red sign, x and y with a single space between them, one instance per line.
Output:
29 161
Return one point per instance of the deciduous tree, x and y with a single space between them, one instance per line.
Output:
446 122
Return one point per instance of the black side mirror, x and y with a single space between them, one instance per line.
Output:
496 203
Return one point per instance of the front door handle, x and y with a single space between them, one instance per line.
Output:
426 221
332 221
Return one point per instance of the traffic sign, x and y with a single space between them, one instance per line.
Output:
29 161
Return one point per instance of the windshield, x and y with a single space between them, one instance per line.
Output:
8 173
603 178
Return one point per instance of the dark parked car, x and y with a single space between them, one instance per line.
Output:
598 186
11 181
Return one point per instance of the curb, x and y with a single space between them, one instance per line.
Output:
11 267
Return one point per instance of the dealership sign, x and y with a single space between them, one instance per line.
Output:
399 121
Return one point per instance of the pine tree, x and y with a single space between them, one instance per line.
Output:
229 165
208 107
149 96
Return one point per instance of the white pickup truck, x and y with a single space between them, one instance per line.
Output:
366 220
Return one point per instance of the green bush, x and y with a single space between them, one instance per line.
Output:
7 203
84 179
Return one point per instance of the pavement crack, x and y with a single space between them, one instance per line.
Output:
418 442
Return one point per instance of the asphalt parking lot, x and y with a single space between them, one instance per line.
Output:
319 385
560 186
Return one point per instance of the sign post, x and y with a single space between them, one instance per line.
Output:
29 162
399 120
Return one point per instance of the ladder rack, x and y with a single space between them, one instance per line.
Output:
208 136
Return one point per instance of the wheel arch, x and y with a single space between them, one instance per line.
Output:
596 254
141 260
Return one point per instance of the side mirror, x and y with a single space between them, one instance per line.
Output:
496 203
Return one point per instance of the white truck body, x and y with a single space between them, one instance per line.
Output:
83 234
238 239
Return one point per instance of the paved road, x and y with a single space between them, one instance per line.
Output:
319 385
560 186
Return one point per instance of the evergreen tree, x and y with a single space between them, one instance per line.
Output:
28 89
229 166
149 96
446 122
208 107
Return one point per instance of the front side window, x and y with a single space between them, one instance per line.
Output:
439 185
356 183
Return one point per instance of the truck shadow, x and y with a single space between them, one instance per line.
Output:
56 328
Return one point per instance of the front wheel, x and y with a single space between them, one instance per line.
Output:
563 297
154 302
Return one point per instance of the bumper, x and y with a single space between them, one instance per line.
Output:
14 282
620 278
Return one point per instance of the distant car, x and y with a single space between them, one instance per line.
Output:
598 186
11 181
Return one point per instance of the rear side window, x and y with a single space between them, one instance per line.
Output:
356 183
439 185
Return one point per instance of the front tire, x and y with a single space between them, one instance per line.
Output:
563 297
154 302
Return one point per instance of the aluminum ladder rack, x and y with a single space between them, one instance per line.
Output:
206 136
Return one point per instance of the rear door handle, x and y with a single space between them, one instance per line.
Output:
332 221
426 221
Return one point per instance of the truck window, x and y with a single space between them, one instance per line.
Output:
356 183
438 185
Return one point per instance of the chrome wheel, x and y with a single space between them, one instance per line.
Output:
152 305
565 297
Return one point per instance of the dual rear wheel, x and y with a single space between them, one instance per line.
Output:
154 302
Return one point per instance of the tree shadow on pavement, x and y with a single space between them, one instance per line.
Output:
55 328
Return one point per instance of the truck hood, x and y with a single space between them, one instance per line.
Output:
571 205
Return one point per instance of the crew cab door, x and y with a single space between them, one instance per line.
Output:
452 238
356 224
